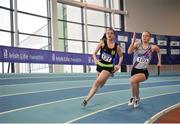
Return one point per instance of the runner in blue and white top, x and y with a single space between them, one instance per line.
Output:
142 56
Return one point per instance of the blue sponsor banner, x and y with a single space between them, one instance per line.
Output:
1 54
24 55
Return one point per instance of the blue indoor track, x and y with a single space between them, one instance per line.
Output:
57 98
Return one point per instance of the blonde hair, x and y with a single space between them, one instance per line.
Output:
149 33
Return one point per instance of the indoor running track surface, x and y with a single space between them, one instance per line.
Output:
57 98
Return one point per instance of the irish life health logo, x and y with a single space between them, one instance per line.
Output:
53 57
5 53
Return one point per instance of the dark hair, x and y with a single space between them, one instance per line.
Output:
104 37
110 28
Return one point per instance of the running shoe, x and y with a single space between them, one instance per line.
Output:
136 103
131 101
84 103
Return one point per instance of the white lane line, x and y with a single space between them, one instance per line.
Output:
38 105
161 113
110 84
64 100
49 82
110 107
91 75
41 91
35 83
66 88
47 77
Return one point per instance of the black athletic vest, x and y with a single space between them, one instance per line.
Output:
107 54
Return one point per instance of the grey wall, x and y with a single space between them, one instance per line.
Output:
156 16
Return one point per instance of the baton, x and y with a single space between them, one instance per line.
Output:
158 70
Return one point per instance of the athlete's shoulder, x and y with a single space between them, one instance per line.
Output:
155 48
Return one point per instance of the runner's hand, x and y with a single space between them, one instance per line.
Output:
116 68
96 61
159 65
134 38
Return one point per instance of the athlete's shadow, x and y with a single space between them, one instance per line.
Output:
98 104
143 108
92 107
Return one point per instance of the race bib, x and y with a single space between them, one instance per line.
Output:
106 57
142 60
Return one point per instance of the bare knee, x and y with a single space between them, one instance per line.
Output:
97 83
134 82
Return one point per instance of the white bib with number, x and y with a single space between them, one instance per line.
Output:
106 57
142 60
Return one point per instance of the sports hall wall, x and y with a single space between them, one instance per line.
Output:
157 16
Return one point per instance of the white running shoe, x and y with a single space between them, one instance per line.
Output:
131 101
136 103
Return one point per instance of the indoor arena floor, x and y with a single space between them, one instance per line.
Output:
57 98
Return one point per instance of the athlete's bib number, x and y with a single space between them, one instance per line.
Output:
142 60
106 57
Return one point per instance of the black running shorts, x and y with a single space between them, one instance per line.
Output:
99 69
136 71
